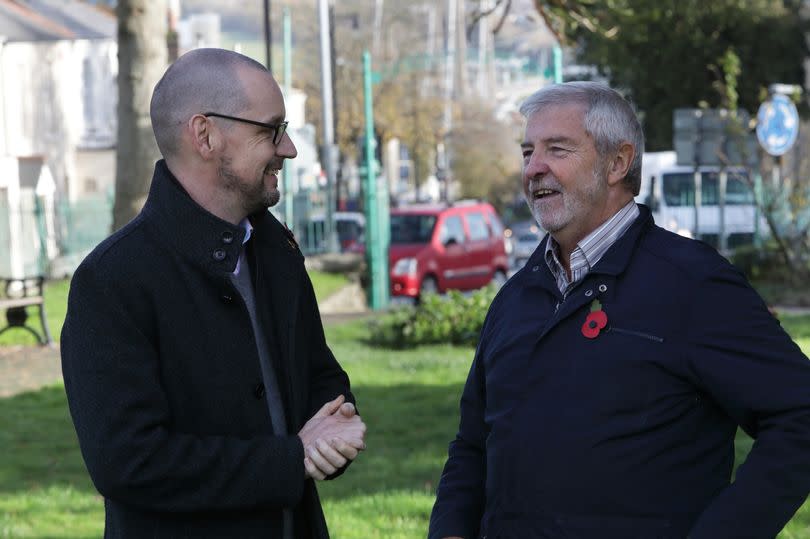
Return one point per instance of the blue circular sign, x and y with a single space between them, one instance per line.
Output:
777 124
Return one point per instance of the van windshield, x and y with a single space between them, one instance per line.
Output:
348 230
412 228
679 189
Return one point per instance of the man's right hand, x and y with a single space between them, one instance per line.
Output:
331 438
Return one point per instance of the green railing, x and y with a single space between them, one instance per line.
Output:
40 237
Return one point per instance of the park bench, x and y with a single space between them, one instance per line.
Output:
16 295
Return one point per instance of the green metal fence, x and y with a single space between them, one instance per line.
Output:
83 225
40 237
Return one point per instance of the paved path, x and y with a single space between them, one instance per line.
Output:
25 368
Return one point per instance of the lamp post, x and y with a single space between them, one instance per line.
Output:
329 151
287 173
376 204
268 36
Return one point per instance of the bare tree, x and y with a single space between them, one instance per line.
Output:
142 57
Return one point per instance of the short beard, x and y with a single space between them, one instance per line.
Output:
252 195
573 206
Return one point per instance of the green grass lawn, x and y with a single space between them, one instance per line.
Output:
55 308
409 400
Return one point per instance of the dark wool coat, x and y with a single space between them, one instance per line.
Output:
629 435
163 377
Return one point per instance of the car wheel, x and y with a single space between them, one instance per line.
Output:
499 279
429 286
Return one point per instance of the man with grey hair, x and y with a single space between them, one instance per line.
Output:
614 369
205 398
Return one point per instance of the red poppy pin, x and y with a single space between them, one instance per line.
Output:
595 321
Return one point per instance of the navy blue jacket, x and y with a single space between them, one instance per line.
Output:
163 377
629 434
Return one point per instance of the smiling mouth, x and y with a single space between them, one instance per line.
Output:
543 193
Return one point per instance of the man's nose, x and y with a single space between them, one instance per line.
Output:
286 148
537 166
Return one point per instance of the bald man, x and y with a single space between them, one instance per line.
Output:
204 395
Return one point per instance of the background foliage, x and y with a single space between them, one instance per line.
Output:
453 319
667 53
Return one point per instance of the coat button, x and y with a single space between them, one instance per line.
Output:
258 391
535 268
219 255
588 293
602 287
226 298
227 237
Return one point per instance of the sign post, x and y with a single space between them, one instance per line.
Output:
777 124
777 128
376 206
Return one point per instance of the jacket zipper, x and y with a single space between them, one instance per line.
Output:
636 334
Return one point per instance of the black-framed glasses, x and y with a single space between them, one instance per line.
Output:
278 129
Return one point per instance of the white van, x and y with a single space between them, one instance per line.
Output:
350 229
669 191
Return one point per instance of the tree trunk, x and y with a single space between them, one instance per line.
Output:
142 56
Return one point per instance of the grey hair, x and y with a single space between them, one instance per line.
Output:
202 80
609 119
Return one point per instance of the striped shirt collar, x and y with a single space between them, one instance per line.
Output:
590 249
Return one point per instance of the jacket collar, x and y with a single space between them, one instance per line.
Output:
600 283
617 258
195 233
614 261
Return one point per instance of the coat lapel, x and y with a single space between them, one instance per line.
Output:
280 273
600 281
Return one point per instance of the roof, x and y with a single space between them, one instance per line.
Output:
49 20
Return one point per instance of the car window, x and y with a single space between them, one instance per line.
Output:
679 189
478 227
528 237
452 228
495 225
412 228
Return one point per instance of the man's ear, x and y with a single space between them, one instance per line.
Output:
620 163
204 136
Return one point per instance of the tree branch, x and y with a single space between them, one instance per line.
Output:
477 15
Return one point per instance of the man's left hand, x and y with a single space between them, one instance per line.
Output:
324 458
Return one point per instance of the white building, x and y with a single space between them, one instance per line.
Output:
58 97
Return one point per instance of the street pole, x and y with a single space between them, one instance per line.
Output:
449 90
376 205
483 46
329 150
557 55
449 69
378 18
332 63
287 173
268 37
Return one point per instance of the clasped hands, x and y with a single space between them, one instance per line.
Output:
332 437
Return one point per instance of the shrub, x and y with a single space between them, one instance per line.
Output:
452 319
777 283
758 263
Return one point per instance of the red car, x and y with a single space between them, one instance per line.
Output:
435 248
